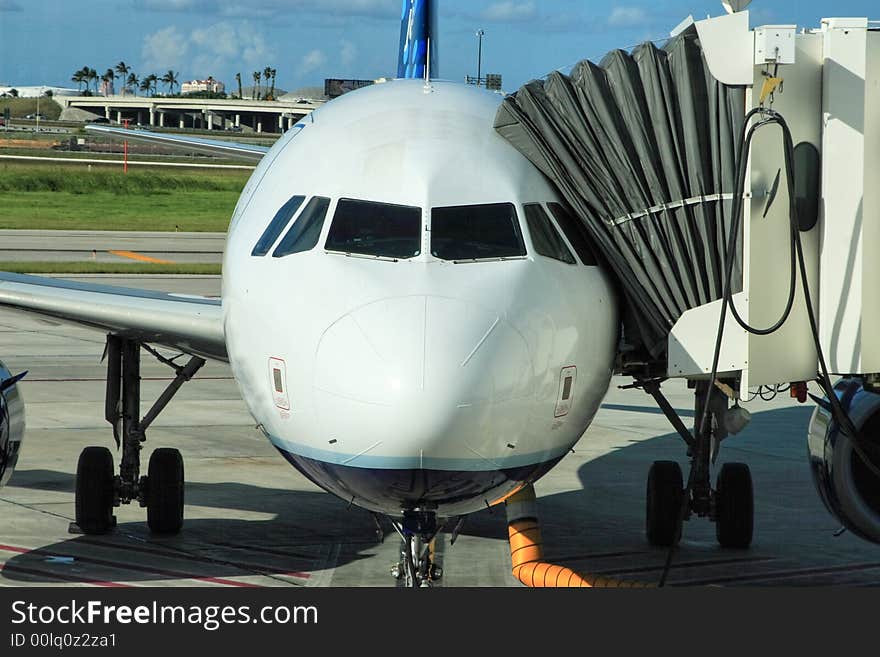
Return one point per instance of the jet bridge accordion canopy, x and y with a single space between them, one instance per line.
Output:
643 148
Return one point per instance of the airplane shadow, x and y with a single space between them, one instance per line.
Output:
302 529
601 528
596 528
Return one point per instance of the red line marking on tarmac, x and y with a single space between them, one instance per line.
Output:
125 566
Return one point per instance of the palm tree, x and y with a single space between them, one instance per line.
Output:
256 91
272 90
238 79
108 78
92 76
149 84
123 69
132 82
267 74
79 77
170 79
153 79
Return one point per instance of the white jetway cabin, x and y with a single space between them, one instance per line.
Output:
730 180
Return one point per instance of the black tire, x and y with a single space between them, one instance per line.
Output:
94 491
663 503
734 506
165 491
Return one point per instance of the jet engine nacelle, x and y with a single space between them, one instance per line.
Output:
849 489
11 423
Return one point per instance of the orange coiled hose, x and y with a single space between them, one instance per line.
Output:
527 557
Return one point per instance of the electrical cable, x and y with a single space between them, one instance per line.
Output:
857 440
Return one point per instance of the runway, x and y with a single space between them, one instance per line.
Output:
251 520
110 246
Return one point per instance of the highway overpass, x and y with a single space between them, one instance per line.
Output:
209 114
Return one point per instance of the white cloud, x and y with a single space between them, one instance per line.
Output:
208 50
275 8
627 17
167 5
347 53
313 60
509 12
164 49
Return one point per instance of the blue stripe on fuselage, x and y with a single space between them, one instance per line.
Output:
464 464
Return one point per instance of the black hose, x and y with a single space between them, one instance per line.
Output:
796 263
771 117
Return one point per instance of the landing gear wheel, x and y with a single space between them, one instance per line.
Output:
664 499
94 491
165 491
734 506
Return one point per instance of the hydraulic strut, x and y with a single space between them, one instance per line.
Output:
122 409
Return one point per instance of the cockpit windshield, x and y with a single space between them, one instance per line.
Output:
476 232
375 229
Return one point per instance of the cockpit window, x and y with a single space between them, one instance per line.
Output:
476 232
375 229
304 234
575 232
545 239
279 221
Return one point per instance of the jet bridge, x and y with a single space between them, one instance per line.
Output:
730 179
644 146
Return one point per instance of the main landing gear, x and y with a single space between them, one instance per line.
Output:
730 505
98 489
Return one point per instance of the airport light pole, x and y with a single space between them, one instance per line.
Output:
480 34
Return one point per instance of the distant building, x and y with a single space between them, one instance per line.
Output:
212 85
107 88
335 87
33 92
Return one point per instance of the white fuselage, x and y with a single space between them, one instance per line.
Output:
417 382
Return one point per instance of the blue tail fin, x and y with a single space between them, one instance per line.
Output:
418 22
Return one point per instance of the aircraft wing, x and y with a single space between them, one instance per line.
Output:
249 152
191 324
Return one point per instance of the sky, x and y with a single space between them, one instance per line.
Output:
45 41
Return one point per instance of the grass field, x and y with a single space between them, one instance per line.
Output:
19 107
74 196
107 268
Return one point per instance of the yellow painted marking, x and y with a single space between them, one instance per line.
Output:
137 256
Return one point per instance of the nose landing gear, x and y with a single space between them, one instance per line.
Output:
417 566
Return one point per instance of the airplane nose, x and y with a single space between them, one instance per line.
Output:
428 372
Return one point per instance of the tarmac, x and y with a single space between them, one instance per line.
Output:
252 520
110 246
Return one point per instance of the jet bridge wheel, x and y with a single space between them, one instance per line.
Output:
664 499
165 491
734 506
94 491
